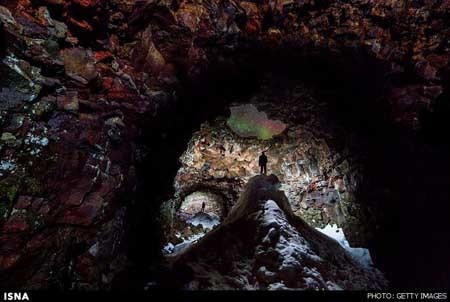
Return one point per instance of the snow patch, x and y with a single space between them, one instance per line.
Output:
292 249
7 165
93 250
170 248
207 221
362 255
36 140
290 242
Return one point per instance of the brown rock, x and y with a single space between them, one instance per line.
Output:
189 15
8 261
79 64
23 202
69 101
16 223
147 56
86 3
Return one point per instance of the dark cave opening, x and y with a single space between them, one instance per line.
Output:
394 159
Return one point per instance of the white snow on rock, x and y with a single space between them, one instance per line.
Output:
362 255
290 244
171 248
292 248
7 165
207 221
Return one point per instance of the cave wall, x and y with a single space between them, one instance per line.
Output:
315 172
81 81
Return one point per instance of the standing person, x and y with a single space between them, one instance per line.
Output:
203 207
263 163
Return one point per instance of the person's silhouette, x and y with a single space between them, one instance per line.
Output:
203 207
263 163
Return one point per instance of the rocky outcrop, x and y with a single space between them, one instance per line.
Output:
263 245
65 160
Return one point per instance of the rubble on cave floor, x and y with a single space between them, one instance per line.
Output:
188 229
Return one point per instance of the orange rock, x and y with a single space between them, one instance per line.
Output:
81 24
8 261
189 15
86 3
102 55
254 17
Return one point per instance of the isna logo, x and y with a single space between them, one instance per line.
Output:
15 296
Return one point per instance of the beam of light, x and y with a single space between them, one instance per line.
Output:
247 121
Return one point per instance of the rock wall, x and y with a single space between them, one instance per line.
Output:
79 79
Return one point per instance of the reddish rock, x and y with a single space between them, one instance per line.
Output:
86 3
88 211
91 135
79 64
154 46
36 242
253 25
16 223
426 70
82 215
119 92
23 202
69 101
102 55
55 2
147 56
37 203
76 191
85 266
81 24
45 208
189 15
438 61
8 261
445 6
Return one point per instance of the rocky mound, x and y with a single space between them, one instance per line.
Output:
263 245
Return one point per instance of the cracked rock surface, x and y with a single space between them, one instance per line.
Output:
81 81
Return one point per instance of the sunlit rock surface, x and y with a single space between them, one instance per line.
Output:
263 245
192 204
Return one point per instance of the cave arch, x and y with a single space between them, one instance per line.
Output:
353 91
372 79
